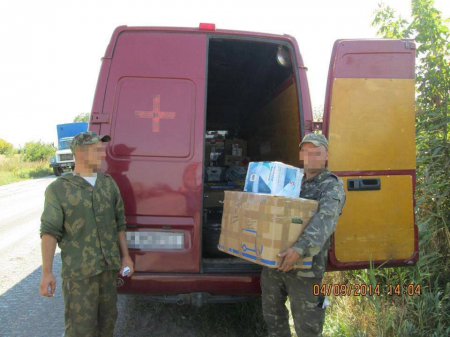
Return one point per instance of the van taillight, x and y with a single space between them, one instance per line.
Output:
207 26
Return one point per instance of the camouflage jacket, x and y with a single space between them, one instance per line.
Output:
85 221
328 190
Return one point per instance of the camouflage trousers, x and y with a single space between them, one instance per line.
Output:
90 305
306 308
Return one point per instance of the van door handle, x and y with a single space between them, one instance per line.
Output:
364 184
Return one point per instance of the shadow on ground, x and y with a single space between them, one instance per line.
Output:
24 313
140 318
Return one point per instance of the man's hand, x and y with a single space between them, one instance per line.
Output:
127 262
288 258
48 285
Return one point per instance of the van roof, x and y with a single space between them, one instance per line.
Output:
218 32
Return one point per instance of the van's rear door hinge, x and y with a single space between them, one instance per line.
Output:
317 126
99 118
312 126
409 44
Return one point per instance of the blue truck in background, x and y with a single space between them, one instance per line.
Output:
64 160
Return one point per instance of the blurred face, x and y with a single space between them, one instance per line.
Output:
91 156
314 157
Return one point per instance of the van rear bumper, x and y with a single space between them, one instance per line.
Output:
174 284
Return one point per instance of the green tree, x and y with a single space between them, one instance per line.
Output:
38 151
5 147
82 117
429 314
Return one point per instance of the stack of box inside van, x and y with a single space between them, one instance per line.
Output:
253 206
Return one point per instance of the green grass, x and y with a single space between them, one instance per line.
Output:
14 169
387 315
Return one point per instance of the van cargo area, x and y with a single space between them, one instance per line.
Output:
252 115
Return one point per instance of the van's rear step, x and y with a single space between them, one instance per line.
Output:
229 265
164 284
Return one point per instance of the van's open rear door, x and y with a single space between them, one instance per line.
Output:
370 121
151 100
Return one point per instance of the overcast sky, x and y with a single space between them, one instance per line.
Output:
51 49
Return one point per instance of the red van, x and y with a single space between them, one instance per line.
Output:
187 109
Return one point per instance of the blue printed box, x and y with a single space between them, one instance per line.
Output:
274 178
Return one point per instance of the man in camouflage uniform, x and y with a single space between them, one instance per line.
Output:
277 284
84 214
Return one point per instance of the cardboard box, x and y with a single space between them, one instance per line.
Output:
236 175
217 143
233 160
215 146
273 178
215 173
236 147
257 227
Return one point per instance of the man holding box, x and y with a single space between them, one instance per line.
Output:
308 311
